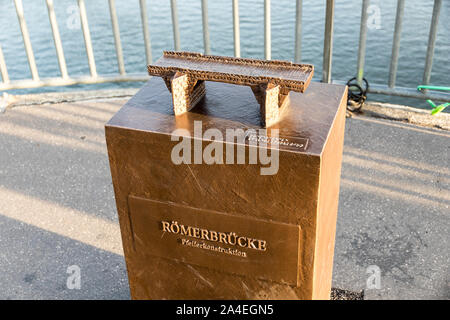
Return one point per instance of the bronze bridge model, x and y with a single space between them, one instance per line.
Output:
185 74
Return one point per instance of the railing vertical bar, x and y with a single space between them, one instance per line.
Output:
328 42
3 69
431 41
267 31
236 29
176 30
57 39
144 19
396 43
87 38
298 30
26 39
362 42
206 44
116 32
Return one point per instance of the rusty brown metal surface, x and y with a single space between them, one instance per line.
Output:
303 194
270 81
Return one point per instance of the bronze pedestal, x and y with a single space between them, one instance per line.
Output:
224 231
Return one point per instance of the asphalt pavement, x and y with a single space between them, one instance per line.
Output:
57 207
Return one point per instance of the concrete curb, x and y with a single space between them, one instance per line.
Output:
411 115
10 101
389 111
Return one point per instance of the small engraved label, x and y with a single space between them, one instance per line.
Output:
282 142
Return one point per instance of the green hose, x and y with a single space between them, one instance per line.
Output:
436 109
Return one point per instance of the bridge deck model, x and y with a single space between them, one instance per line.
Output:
270 81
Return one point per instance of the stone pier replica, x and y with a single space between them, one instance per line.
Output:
193 228
185 74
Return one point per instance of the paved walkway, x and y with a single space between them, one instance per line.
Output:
57 206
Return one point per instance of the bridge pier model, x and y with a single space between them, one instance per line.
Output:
184 74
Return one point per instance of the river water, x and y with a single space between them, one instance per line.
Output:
414 39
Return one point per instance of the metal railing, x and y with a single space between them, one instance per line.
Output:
123 76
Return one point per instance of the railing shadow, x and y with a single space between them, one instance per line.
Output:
34 265
393 209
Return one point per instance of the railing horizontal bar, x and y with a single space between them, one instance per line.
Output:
144 20
362 42
58 82
267 31
206 44
116 32
236 29
328 42
396 43
408 93
431 41
403 92
87 38
3 69
176 30
57 39
26 39
298 30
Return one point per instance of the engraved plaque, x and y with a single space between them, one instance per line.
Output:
227 243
